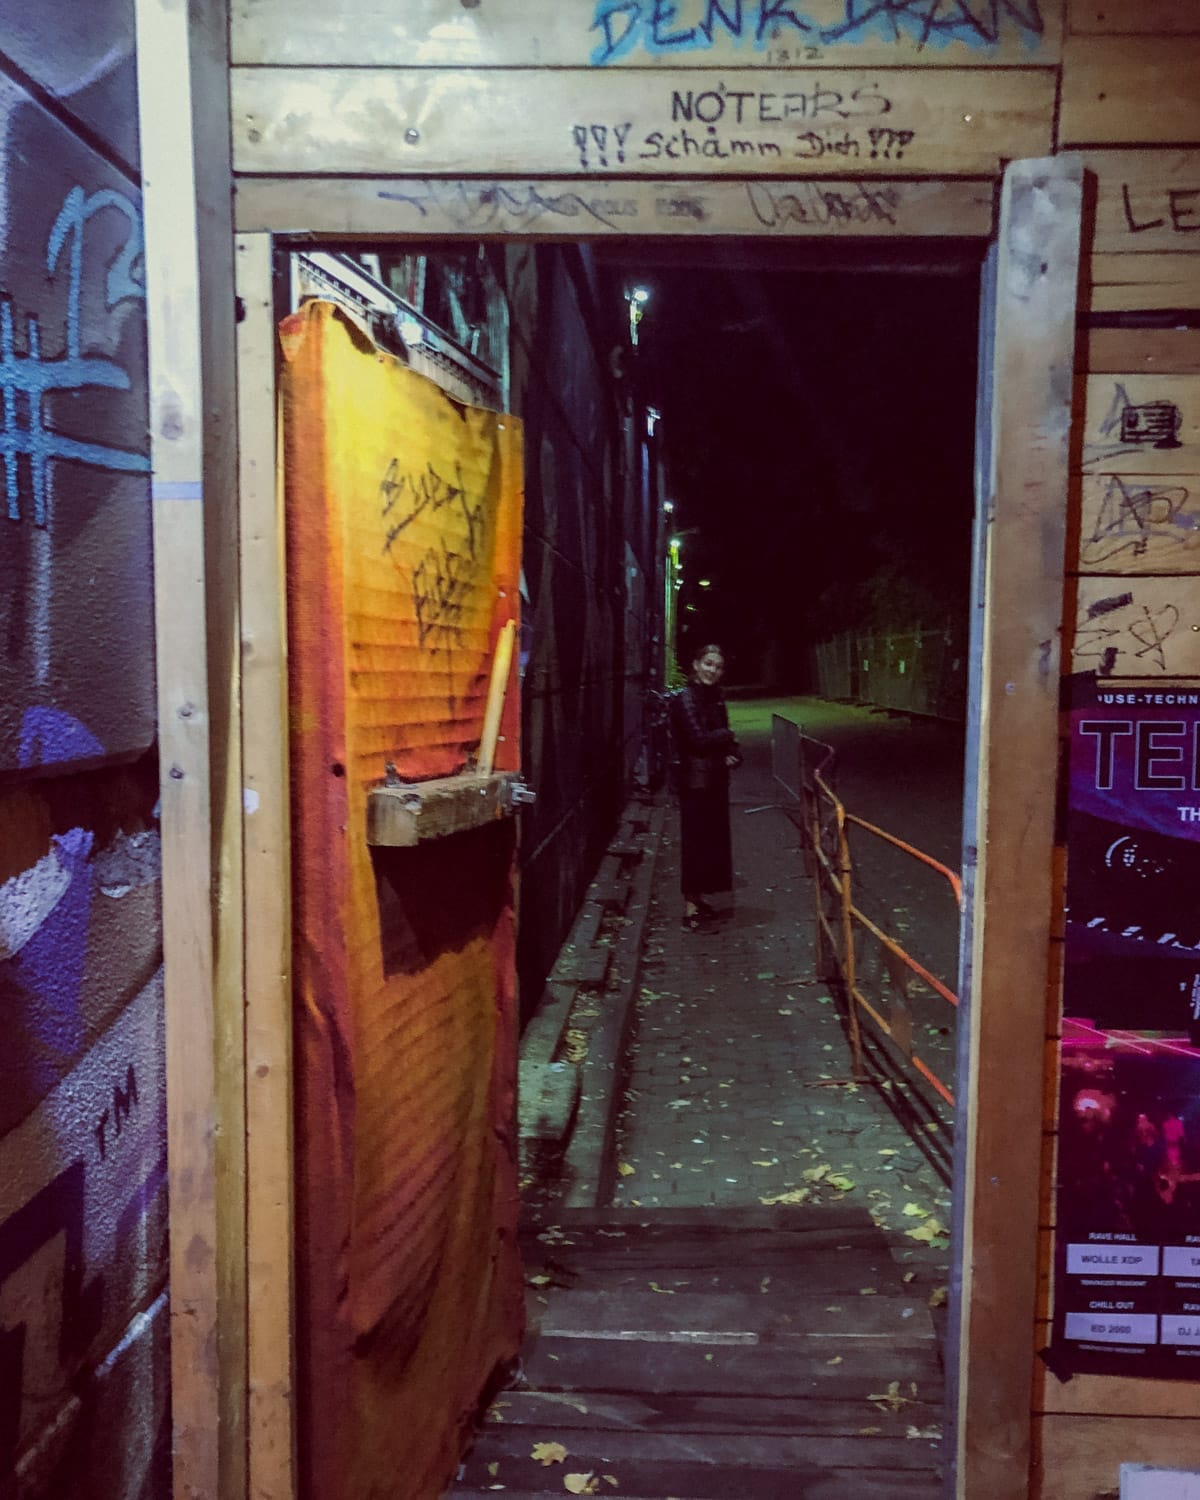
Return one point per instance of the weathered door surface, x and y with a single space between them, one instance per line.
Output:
403 522
1027 339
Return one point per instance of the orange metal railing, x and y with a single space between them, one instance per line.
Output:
824 824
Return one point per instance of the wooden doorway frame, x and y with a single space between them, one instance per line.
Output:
1016 693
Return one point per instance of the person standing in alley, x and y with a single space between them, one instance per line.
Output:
705 750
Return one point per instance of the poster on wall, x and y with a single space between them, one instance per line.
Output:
1127 1264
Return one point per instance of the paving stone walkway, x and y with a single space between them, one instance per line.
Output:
740 1090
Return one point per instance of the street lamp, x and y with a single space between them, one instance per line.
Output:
637 297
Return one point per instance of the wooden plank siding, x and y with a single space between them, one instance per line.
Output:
1136 17
687 34
1087 1426
419 122
606 207
1146 201
1128 90
441 118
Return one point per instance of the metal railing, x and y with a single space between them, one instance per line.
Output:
803 766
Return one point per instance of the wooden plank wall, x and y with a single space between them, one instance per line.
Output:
1131 104
596 96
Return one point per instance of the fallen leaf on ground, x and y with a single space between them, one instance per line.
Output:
493 1469
842 1184
665 1290
939 1296
889 1400
836 1360
931 1232
933 1432
867 1291
915 1211
815 1174
549 1453
795 1195
581 1484
869 1431
908 1276
625 1169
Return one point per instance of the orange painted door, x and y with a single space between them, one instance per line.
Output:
403 526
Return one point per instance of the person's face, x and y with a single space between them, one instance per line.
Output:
709 668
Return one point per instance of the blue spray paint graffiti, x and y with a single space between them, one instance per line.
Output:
27 379
50 736
658 27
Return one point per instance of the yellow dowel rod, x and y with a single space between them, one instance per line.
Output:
501 663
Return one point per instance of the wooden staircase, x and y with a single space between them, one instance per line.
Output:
720 1354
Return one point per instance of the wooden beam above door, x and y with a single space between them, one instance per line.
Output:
661 123
784 210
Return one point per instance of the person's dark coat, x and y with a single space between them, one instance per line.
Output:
702 740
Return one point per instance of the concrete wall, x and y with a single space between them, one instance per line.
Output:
83 1326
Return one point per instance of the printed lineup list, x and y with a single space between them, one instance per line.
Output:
1123 1301
1127 1241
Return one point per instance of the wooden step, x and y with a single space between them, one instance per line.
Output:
720 1356
843 1415
854 1367
685 1317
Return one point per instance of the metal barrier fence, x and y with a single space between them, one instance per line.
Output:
805 764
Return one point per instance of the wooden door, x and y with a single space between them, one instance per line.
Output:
381 562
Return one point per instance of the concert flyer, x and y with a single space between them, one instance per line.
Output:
1127 1263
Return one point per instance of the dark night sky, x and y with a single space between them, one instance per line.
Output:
818 431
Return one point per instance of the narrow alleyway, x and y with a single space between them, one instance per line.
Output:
758 1311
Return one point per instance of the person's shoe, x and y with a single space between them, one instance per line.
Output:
705 910
691 917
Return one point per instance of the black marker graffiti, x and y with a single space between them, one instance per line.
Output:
770 107
602 141
404 497
443 579
809 203
442 583
1116 627
1131 518
1129 425
1181 212
488 205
